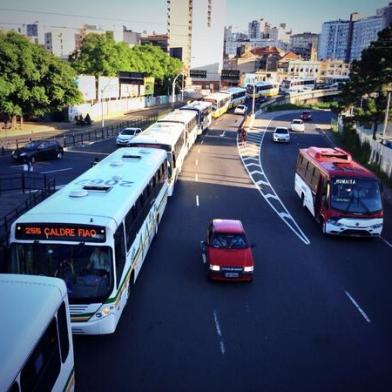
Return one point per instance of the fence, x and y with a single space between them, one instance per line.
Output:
75 138
42 186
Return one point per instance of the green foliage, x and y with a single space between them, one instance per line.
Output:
100 55
369 79
32 80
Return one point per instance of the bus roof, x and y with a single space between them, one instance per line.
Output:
196 105
336 162
235 90
178 116
28 305
103 194
219 95
164 133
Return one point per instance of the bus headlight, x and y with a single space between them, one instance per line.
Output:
214 267
249 269
104 311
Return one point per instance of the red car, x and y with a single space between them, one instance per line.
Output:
306 116
227 252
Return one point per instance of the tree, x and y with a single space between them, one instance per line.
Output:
100 55
32 80
369 78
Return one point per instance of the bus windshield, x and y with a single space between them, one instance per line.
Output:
355 195
86 270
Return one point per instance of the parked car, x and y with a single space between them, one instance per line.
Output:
227 252
281 134
297 125
38 150
240 109
126 135
306 116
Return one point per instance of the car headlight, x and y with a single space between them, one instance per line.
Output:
377 226
214 267
22 154
249 269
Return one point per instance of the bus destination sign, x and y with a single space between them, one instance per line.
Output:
60 232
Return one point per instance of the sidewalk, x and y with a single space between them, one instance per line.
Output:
37 130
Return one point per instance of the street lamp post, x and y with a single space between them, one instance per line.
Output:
174 88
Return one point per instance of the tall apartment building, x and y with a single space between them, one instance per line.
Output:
255 29
196 34
334 40
364 32
60 41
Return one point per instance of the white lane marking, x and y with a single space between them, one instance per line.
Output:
197 200
387 242
222 134
364 315
219 333
291 223
56 171
202 141
196 177
203 256
197 162
198 150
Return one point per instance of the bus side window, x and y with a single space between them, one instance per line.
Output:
119 249
43 366
63 332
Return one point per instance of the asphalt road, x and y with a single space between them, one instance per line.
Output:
317 316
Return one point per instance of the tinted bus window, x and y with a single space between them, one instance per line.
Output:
43 366
63 332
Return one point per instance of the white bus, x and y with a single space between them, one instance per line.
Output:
296 85
94 233
170 137
188 119
337 81
203 114
220 103
36 350
237 96
262 89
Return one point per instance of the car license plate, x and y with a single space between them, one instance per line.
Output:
232 275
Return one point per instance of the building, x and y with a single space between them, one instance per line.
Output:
331 68
161 40
60 41
304 69
196 36
386 13
255 29
131 37
364 32
335 40
280 33
304 43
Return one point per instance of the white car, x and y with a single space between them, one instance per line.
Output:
240 109
297 125
281 134
126 135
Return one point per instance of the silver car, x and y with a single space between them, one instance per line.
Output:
281 134
126 135
297 125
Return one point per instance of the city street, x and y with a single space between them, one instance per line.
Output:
316 317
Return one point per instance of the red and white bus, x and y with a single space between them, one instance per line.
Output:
341 194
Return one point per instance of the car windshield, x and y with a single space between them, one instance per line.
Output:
86 270
281 130
355 195
241 107
297 121
128 132
229 241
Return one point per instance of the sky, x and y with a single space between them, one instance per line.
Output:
150 15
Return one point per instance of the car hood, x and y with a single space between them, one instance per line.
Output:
22 150
124 137
230 257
